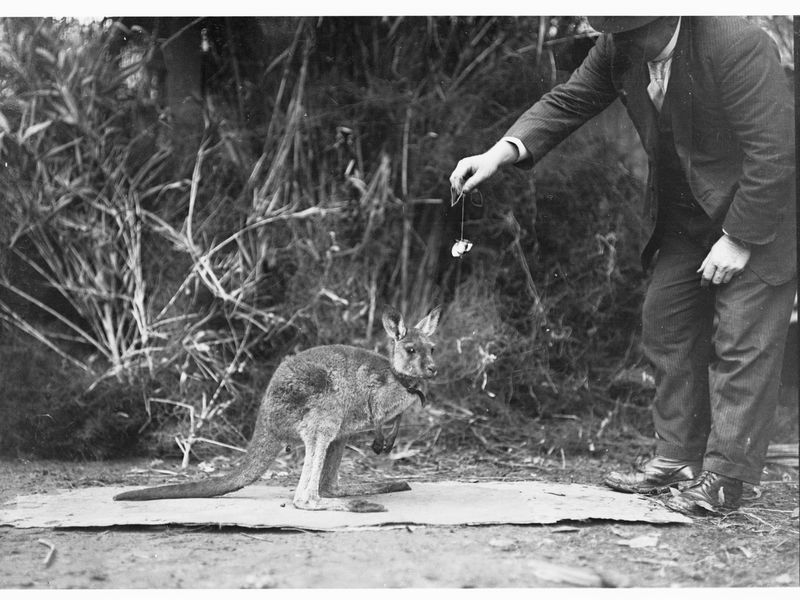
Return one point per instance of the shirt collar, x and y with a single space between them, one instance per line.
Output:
670 47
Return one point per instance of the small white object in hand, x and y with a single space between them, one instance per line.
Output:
460 248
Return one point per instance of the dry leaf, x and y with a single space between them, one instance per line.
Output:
706 505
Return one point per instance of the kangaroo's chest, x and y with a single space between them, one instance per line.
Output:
374 396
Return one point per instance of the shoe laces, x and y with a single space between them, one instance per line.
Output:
704 482
705 479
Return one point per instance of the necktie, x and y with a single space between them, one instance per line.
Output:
656 88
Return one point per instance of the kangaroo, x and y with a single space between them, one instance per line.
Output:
322 396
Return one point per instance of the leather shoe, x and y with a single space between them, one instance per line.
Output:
711 492
654 477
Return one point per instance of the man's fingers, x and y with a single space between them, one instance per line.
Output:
703 265
472 183
459 175
472 171
717 275
708 271
467 183
722 264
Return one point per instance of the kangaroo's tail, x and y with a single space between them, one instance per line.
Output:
259 456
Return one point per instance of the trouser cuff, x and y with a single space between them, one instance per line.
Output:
676 452
729 469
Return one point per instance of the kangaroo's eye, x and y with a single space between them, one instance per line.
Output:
410 350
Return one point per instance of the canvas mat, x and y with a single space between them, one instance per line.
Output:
261 506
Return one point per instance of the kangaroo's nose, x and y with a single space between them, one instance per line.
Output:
431 370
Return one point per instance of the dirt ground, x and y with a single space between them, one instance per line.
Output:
755 546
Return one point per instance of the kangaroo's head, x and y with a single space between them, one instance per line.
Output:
411 354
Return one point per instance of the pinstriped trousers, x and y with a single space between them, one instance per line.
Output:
717 353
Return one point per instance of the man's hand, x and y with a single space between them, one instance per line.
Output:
726 259
474 170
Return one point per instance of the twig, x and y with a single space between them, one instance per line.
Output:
255 537
658 563
300 529
750 515
777 482
178 33
511 465
48 560
465 73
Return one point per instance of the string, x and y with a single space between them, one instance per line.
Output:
462 220
475 197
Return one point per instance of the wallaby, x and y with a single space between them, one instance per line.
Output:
322 396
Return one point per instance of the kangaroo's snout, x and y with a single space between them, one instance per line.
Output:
431 370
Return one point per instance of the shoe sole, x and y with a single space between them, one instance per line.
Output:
653 491
696 510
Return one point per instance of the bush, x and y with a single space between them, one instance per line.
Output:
47 410
182 277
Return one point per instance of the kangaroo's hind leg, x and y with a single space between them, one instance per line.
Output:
320 446
329 483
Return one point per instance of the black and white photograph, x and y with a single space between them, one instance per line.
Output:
381 299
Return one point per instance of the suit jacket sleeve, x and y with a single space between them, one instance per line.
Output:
567 106
757 103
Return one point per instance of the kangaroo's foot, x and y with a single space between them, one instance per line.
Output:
350 505
366 489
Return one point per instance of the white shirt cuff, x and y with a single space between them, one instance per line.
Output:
523 151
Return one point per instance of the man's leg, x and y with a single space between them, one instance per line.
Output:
676 335
750 328
677 323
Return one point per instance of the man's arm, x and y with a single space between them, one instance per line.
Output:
757 103
557 114
567 106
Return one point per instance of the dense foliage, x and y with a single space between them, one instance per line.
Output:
174 267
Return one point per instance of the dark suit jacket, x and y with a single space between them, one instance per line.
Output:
732 116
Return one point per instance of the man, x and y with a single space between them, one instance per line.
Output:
713 109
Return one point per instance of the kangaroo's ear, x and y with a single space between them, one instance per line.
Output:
394 324
429 324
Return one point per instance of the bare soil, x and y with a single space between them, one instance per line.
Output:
755 546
